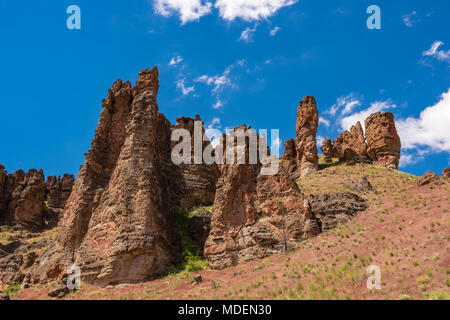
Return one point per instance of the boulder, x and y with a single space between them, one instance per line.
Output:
428 178
383 141
327 149
360 185
305 141
330 210
4 297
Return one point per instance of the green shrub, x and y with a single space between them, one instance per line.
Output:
12 289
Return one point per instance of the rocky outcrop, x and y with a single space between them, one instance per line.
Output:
305 141
331 210
353 140
25 193
289 158
197 183
361 185
27 200
255 215
117 225
445 173
15 259
428 178
327 149
383 142
3 199
58 190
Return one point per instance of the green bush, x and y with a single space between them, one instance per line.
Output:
191 262
12 289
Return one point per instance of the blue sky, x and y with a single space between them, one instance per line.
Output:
227 61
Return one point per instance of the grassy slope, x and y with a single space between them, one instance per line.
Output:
405 232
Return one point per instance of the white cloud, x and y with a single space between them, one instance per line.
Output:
219 81
440 55
242 62
218 104
184 90
213 132
193 10
274 31
188 10
247 34
324 121
410 19
409 159
431 129
250 10
320 140
377 106
345 104
176 60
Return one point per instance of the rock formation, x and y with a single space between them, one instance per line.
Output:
327 149
117 224
255 215
198 181
22 197
3 200
383 142
305 141
289 158
25 194
333 209
353 139
428 178
58 190
446 173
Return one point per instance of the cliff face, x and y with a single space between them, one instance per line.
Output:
255 215
117 225
22 198
197 182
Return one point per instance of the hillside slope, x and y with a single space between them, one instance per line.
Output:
405 232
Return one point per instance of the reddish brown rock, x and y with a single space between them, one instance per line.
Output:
383 142
117 224
3 200
255 215
428 178
198 181
25 194
353 140
305 141
289 158
331 210
327 149
58 190
446 173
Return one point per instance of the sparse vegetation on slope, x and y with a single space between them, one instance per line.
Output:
405 232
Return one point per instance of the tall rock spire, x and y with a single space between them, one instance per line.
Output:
305 141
